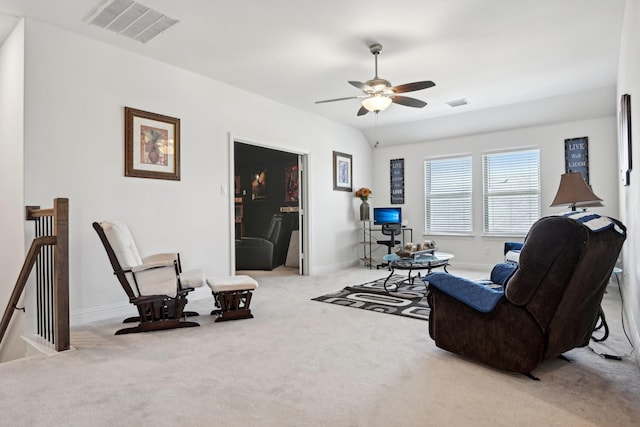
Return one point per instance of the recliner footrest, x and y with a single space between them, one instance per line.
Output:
233 296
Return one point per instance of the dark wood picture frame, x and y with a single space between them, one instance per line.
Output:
342 171
626 151
151 145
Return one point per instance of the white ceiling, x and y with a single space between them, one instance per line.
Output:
494 53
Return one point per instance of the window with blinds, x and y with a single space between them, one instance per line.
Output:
448 196
511 191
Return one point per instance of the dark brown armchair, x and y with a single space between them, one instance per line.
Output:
548 306
267 252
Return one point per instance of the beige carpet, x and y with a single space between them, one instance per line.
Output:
307 363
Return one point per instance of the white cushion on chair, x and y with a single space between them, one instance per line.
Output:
192 279
157 281
188 279
232 283
121 241
154 278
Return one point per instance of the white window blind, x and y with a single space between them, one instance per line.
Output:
511 191
448 196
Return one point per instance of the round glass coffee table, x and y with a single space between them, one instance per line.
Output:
427 261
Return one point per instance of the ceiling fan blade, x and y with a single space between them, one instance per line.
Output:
409 102
337 99
410 87
362 111
361 86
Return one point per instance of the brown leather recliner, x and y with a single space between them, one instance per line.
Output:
549 305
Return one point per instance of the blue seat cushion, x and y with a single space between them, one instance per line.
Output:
476 295
502 272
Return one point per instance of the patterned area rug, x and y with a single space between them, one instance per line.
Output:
404 299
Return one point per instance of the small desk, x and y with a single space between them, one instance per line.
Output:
420 262
368 241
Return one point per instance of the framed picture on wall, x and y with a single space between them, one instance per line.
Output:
151 145
576 156
259 185
291 184
396 173
342 170
625 148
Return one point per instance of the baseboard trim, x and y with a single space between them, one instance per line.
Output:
38 346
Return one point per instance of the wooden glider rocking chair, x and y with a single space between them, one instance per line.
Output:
155 284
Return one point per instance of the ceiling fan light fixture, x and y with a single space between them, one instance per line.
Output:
376 103
378 93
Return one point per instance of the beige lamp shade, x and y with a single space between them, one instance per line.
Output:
574 191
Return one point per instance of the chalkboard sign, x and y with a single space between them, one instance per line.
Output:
397 181
576 156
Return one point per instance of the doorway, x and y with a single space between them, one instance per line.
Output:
269 220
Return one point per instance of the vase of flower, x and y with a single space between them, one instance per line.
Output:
363 194
364 211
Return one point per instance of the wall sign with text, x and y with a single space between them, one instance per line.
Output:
397 181
576 156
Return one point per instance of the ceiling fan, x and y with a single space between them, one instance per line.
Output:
379 94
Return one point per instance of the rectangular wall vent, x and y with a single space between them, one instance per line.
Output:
131 19
458 102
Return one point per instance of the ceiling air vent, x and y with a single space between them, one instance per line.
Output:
131 19
458 102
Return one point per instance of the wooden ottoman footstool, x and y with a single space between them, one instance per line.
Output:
233 296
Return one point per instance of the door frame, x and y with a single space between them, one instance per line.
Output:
303 188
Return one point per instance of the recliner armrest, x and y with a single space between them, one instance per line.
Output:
154 264
478 296
168 256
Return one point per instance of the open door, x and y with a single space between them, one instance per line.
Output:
283 177
302 192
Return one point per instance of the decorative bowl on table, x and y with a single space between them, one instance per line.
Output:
412 254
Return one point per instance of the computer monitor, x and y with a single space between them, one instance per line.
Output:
386 215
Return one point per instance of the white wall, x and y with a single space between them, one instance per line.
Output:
11 181
483 251
629 83
76 89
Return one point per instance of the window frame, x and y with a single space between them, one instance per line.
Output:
535 191
468 227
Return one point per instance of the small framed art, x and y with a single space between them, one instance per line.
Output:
342 169
151 145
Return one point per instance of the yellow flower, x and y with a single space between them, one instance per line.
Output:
364 193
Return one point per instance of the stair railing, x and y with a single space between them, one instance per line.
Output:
49 252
